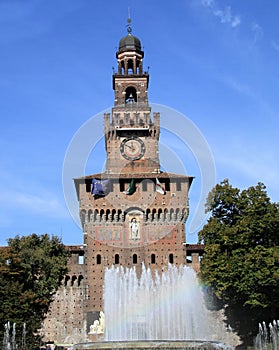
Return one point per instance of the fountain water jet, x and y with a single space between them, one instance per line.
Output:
9 341
268 337
6 338
169 306
165 311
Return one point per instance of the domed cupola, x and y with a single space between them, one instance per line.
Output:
129 42
129 54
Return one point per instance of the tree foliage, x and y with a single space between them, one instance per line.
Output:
241 260
31 269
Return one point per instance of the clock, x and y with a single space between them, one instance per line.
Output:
132 148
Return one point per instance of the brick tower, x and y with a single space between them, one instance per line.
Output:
132 213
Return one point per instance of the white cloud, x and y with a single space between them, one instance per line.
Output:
46 204
238 86
235 21
245 164
26 195
257 30
224 14
208 3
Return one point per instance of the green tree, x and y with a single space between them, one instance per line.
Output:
31 269
241 260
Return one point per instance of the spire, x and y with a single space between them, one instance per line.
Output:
129 21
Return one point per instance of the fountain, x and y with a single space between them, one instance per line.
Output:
9 342
268 337
168 307
6 338
166 311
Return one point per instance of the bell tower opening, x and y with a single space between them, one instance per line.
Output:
130 95
130 67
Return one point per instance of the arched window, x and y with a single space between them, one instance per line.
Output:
153 259
116 259
96 212
130 67
89 215
154 214
67 278
80 278
99 259
113 214
83 217
130 95
171 258
122 68
102 213
135 259
74 277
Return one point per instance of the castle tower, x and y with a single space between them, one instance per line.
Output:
131 136
132 213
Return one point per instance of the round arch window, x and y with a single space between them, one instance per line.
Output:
130 95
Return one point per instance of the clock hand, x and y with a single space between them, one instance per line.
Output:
126 145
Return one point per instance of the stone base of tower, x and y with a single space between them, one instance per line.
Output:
71 313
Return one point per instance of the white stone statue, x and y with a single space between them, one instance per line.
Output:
134 229
98 327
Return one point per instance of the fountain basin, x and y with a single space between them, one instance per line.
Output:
160 344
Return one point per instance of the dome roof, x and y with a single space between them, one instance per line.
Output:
129 42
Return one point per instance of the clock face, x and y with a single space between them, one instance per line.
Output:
132 148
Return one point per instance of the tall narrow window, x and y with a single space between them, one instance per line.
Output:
99 259
167 185
153 259
178 186
135 259
122 185
81 259
116 259
171 258
144 186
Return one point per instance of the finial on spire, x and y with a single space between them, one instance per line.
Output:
129 21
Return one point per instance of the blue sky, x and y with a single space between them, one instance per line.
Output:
214 61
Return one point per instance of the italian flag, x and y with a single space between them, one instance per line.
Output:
131 189
159 187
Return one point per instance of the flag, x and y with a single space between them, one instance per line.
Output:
100 187
159 187
131 189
